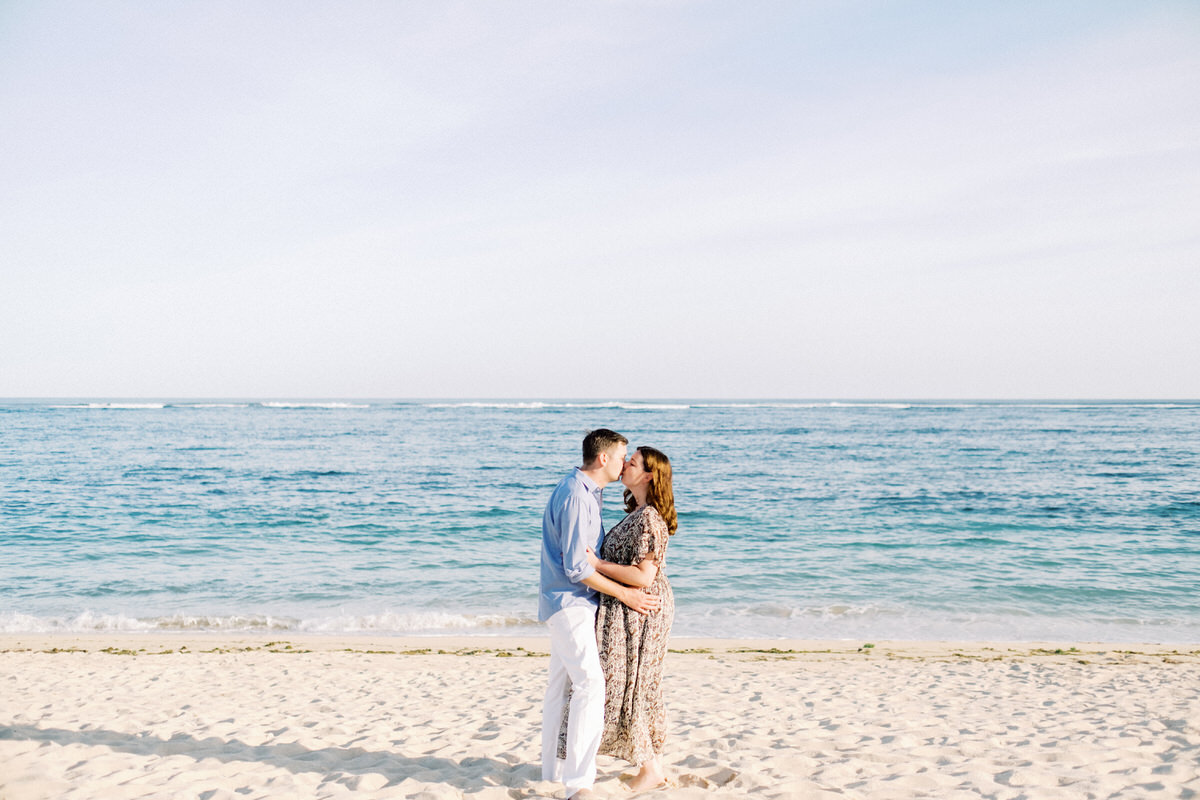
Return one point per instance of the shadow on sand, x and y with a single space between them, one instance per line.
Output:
468 775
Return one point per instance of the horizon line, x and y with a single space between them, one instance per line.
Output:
593 399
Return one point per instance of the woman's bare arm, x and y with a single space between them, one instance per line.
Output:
641 574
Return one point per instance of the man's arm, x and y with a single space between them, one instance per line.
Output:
636 599
577 518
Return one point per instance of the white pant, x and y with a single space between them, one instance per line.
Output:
574 667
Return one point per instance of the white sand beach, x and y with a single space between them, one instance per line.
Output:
114 716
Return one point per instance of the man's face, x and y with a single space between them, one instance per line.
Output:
616 462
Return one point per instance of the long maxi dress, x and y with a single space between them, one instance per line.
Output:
633 646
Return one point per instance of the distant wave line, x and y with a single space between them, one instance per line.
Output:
283 404
106 406
536 404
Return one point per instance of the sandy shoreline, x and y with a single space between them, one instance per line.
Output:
236 716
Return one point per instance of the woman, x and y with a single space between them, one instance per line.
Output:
633 645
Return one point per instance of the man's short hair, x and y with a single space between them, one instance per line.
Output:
600 441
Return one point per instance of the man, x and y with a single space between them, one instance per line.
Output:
567 602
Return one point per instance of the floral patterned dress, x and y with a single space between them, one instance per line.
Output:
633 646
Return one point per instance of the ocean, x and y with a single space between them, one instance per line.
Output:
1010 521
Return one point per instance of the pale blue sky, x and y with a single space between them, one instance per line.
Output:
634 200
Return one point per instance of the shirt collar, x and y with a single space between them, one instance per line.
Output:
588 483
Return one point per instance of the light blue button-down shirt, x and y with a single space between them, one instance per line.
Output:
570 525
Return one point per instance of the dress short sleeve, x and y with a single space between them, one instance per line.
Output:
651 536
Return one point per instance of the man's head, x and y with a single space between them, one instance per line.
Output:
604 453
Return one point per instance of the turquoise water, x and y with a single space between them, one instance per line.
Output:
1016 521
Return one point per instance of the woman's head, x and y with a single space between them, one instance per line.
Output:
651 468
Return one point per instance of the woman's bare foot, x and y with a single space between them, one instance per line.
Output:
649 777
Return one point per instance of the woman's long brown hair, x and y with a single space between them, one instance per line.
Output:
660 494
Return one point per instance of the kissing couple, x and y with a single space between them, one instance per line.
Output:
608 605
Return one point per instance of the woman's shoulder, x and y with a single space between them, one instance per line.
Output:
651 515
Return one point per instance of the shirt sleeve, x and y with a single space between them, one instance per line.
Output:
578 526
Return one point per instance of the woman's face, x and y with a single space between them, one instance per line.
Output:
635 473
